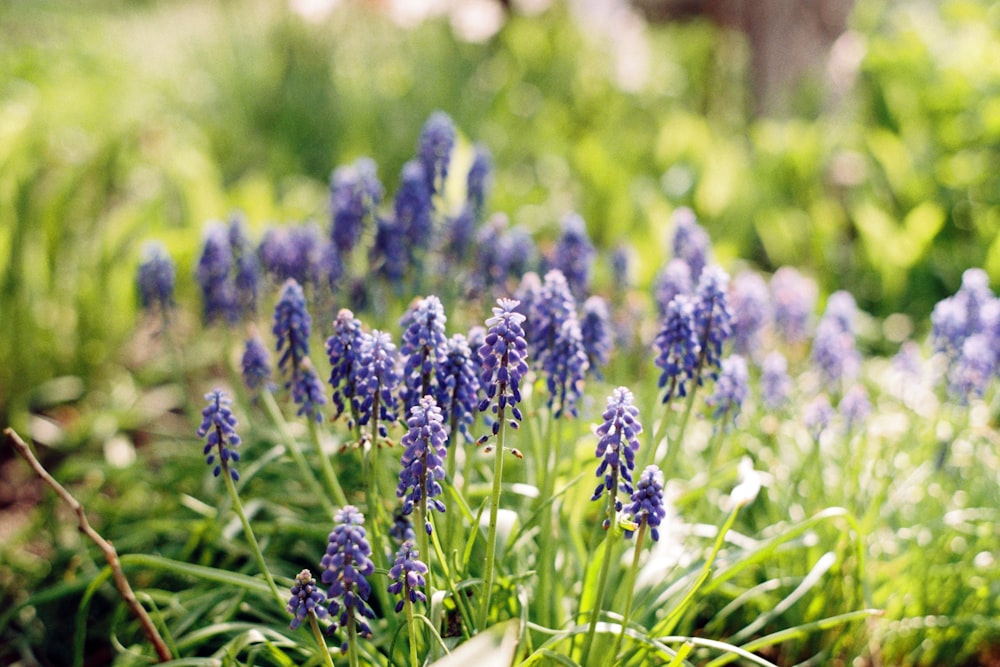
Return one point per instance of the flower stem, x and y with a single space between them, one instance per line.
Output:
548 528
352 640
330 481
602 581
630 587
491 535
238 506
320 641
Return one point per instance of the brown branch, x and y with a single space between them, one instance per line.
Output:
106 548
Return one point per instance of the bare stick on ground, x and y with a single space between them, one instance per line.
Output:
106 547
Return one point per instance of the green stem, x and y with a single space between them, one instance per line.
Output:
352 640
330 481
602 581
546 558
238 506
292 447
630 586
491 535
320 641
411 625
458 599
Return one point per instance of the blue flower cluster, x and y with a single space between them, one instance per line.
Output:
306 599
503 364
407 576
690 242
213 275
712 317
156 278
617 445
647 502
423 459
595 327
375 381
219 425
292 326
574 254
256 365
355 193
678 348
458 387
834 350
343 348
346 565
731 388
437 138
423 349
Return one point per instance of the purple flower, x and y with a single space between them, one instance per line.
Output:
375 381
156 278
407 576
423 349
256 365
674 279
343 349
305 599
775 384
647 502
402 528
307 392
855 407
712 316
437 138
292 326
479 181
247 279
388 255
574 254
617 444
974 368
413 207
595 327
459 233
292 252
330 265
730 389
793 298
678 348
816 415
423 460
751 303
345 565
503 364
459 386
213 275
355 193
219 425
690 241
565 368
555 305
834 350
620 263
970 311
516 253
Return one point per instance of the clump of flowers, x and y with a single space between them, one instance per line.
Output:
793 298
595 327
307 392
617 444
458 390
156 278
219 425
690 242
423 461
346 565
678 348
574 254
713 318
375 381
437 138
731 388
407 576
503 364
647 502
306 599
343 350
256 365
355 193
672 280
423 349
292 326
213 276
565 368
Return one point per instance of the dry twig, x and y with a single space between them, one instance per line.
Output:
105 546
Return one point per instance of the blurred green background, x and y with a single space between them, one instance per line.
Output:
122 121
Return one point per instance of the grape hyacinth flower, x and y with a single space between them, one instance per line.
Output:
678 348
565 368
402 527
305 599
307 392
156 278
817 415
292 327
407 576
713 318
731 388
854 407
775 383
574 254
330 266
503 364
437 138
674 279
345 565
213 276
621 260
343 348
834 350
516 253
423 349
690 242
388 254
458 388
459 232
974 368
423 461
375 381
219 425
355 193
595 327
793 298
247 267
617 445
413 207
256 365
479 181
554 306
647 502
751 303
